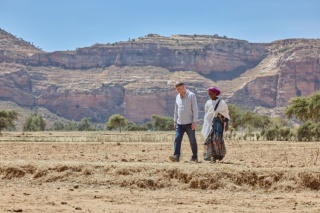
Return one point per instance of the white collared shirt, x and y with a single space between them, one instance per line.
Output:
186 108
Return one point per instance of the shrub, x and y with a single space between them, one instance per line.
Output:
7 118
162 123
284 133
135 127
316 131
271 134
116 121
34 122
304 132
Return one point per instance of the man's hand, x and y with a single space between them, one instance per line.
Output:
193 126
174 125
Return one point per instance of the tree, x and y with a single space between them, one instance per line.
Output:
71 126
304 132
58 126
314 107
34 122
235 116
7 119
247 119
304 108
284 133
85 125
271 134
131 126
116 121
298 108
162 123
149 125
316 131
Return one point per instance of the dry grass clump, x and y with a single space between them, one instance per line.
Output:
184 176
309 180
11 172
40 173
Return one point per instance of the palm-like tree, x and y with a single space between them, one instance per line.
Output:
298 108
314 107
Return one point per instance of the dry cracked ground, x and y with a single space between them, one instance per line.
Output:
131 172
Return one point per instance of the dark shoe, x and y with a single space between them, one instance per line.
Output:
194 160
174 158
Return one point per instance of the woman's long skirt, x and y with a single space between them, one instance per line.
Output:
214 147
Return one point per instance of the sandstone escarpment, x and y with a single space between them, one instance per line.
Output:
204 54
136 78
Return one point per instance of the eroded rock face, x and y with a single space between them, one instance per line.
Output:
96 104
140 107
203 54
262 92
298 77
16 87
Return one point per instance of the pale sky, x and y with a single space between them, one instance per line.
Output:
68 24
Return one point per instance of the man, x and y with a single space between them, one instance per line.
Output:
185 118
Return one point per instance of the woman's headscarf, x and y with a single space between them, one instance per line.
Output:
214 89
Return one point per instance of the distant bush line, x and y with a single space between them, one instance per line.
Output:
244 125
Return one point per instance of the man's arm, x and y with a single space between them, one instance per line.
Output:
194 111
175 115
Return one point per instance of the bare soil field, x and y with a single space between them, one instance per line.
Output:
131 172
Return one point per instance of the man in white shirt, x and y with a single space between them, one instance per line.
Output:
185 118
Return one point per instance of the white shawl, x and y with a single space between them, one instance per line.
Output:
210 114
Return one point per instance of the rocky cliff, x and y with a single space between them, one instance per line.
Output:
136 78
203 54
292 69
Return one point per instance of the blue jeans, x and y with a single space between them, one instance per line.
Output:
180 130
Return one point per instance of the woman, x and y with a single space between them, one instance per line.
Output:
215 123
